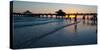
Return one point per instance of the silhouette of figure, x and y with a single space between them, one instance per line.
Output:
83 17
75 18
60 13
87 18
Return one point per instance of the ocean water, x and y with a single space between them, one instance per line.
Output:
31 32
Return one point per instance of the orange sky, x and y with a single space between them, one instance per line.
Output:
36 7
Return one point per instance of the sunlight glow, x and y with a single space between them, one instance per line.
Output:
72 16
66 16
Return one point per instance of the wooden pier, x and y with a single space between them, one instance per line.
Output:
48 15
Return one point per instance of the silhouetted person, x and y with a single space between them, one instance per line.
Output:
87 18
70 18
60 13
83 18
75 19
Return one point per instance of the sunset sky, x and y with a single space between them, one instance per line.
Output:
37 7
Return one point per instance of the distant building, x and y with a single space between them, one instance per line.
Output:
27 12
60 13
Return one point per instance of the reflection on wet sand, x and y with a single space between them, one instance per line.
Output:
73 27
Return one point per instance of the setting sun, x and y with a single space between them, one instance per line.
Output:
72 16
